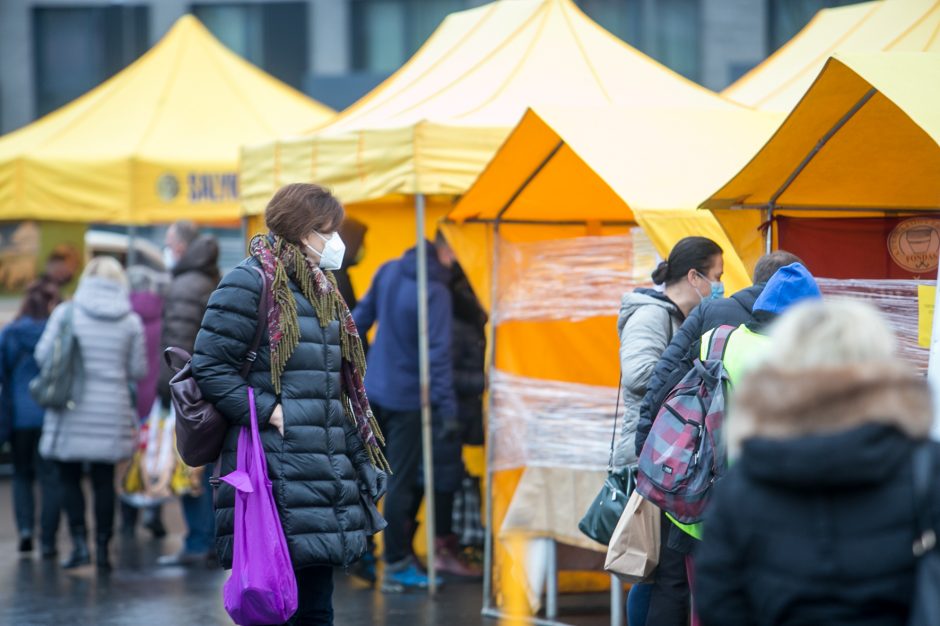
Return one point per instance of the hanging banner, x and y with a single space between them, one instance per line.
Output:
926 296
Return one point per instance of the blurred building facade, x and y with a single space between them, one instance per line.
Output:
52 51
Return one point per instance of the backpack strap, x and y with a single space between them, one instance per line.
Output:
718 342
263 306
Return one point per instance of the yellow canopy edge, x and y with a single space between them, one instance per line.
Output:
878 117
779 82
157 142
433 125
611 166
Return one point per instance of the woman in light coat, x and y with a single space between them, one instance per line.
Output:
647 321
101 428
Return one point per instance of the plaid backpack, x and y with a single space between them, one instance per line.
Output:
685 452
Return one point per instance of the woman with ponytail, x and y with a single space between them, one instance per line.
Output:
648 318
319 435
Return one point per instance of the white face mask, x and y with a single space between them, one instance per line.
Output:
169 259
333 252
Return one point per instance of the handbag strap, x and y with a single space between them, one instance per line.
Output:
613 436
263 306
926 539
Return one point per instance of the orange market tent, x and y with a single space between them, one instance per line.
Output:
851 183
430 129
884 25
157 142
569 215
862 142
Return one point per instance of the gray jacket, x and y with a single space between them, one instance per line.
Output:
102 426
646 324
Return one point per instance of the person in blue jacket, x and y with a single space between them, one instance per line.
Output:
393 386
22 419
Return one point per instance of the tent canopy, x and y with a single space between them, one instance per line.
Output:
157 142
433 125
865 140
615 165
884 25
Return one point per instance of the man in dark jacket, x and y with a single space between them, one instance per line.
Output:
192 260
393 385
682 351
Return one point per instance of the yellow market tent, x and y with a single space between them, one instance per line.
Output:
862 142
884 25
431 127
553 220
157 142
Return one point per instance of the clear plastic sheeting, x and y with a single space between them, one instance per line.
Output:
572 279
549 423
897 300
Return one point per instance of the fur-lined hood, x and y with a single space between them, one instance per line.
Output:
828 428
774 403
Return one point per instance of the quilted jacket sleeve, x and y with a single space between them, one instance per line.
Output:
224 338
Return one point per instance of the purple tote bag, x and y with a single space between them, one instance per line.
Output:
262 588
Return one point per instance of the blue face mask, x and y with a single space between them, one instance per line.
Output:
718 289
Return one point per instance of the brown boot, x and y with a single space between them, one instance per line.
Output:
448 562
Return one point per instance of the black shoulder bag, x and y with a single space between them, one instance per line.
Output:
601 518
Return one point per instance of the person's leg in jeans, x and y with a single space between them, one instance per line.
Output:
403 444
638 604
73 500
102 479
669 600
23 444
314 597
200 518
51 508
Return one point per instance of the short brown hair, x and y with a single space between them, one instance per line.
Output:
768 264
300 208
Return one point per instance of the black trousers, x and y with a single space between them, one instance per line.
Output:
314 597
403 451
28 467
73 499
670 600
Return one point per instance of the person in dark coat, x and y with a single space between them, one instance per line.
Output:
22 420
192 260
684 348
393 385
353 233
319 435
814 522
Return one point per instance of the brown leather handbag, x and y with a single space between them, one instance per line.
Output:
200 428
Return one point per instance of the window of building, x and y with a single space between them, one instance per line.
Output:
787 17
78 48
385 33
271 35
667 30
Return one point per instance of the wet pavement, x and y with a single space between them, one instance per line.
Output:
138 592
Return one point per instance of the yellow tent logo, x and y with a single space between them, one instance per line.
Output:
914 244
168 187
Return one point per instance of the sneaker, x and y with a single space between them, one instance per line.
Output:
408 579
26 544
183 559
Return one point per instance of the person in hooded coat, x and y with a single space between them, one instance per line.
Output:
22 419
814 521
192 259
647 321
101 428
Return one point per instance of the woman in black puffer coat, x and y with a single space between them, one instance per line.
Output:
319 437
814 522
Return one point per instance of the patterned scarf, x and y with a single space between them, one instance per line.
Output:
283 262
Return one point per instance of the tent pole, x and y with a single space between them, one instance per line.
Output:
769 232
425 378
131 258
488 561
933 367
616 601
244 232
